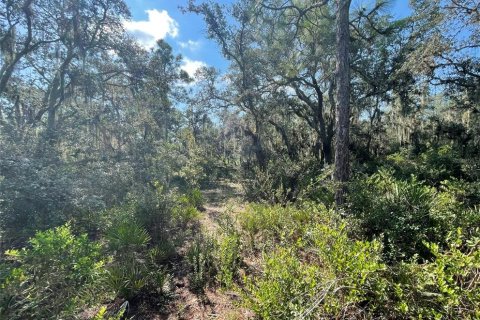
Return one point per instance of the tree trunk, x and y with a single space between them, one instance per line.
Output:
343 100
257 146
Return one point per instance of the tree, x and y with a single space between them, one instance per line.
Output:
342 123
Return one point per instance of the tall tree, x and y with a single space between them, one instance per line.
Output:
343 100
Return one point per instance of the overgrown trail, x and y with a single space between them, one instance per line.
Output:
215 303
223 200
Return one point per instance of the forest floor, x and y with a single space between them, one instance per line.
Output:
215 303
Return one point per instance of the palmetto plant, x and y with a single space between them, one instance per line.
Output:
127 237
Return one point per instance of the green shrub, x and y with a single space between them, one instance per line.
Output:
285 287
55 276
127 279
320 188
35 194
127 236
201 262
265 225
103 314
228 259
324 275
406 213
182 215
132 277
320 271
433 166
163 251
153 210
353 267
187 207
446 288
279 182
195 198
135 268
284 180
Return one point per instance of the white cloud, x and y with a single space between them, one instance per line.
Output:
191 66
190 45
158 26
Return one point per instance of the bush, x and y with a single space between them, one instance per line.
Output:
284 180
132 277
284 289
228 259
201 262
433 166
264 225
406 213
127 279
445 288
103 314
35 194
182 215
135 268
127 237
315 268
152 210
55 276
320 273
187 205
195 198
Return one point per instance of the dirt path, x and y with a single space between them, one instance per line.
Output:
215 303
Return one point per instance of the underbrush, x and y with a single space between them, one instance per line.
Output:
53 277
408 213
310 264
405 248
123 254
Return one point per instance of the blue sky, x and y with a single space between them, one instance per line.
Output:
162 19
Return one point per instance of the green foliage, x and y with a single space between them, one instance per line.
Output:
187 207
195 198
317 269
437 166
283 181
433 165
153 208
133 276
151 211
228 259
54 277
163 251
202 162
103 314
264 224
127 279
445 288
135 269
319 188
266 185
201 262
127 236
319 273
406 213
284 289
184 214
117 146
34 195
